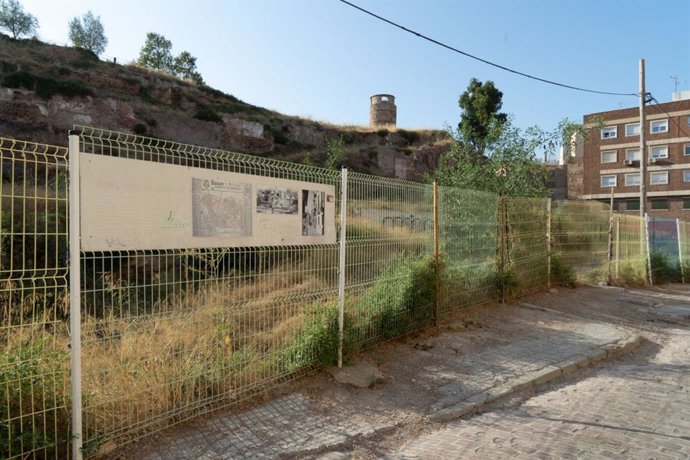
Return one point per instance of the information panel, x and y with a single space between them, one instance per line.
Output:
137 205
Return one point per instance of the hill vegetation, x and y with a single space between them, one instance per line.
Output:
46 89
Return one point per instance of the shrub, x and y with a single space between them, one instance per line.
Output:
140 129
33 414
410 136
208 114
46 87
663 271
562 272
401 300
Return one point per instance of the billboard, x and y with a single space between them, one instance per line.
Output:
136 205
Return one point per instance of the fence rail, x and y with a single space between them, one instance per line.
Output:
168 334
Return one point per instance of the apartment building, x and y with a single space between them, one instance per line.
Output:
610 159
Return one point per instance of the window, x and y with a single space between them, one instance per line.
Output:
659 152
608 181
633 155
686 203
632 129
659 205
609 157
658 126
686 149
658 178
609 132
632 179
686 175
632 205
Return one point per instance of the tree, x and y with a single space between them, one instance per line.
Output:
184 67
480 105
510 167
88 33
14 19
155 54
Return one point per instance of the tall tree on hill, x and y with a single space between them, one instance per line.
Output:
480 105
184 66
15 20
88 33
156 53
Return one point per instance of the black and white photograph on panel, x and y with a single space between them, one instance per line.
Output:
312 213
275 200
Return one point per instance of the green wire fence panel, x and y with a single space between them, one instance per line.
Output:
629 258
580 238
390 280
468 243
524 229
171 330
170 334
34 356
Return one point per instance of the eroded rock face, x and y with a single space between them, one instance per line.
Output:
309 135
388 154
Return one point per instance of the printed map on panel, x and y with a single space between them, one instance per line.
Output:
221 208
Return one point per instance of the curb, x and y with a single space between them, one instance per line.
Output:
535 379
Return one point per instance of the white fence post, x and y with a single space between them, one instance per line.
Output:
341 265
75 295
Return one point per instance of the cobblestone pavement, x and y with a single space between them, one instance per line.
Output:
635 408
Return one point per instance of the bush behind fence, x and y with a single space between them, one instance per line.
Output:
169 334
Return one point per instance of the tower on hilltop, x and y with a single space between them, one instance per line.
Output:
382 112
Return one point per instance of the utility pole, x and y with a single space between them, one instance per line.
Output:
643 156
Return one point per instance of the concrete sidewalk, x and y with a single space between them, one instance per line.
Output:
488 353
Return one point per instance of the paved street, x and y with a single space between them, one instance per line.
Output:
638 409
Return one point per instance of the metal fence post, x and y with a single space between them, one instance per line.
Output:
618 244
548 242
75 296
341 265
436 255
609 245
680 252
502 246
649 253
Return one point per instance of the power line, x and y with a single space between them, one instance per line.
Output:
507 69
658 106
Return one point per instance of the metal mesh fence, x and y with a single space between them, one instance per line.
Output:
525 226
390 280
580 234
34 354
168 334
468 234
629 259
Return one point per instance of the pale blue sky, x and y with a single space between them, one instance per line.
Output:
323 59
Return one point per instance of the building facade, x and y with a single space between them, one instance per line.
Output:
610 159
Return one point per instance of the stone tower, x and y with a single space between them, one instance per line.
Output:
382 112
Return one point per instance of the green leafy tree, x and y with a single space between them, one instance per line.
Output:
184 66
15 20
88 33
156 53
480 105
510 166
335 152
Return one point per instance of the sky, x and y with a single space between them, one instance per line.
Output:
323 59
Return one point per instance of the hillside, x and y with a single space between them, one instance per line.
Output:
46 89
